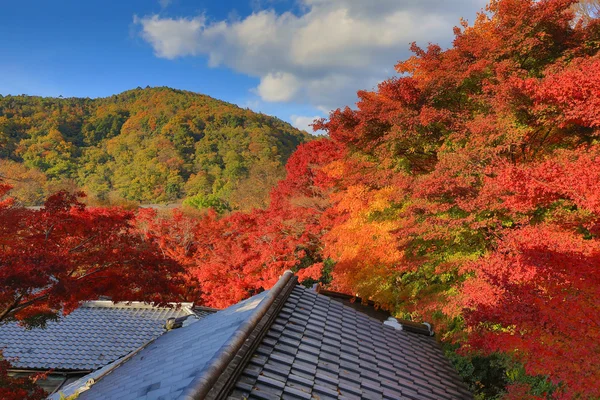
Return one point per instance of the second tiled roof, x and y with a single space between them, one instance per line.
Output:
166 367
92 336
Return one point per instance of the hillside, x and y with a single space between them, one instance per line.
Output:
150 145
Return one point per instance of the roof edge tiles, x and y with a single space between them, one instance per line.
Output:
363 305
202 308
202 385
227 381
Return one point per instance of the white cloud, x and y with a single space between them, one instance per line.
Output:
303 123
320 57
172 38
279 86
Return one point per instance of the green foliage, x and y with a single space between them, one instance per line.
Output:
39 320
202 202
326 273
150 145
538 385
486 375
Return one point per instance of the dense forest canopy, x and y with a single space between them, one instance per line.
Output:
463 192
151 145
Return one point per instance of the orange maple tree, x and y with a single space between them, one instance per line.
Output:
469 191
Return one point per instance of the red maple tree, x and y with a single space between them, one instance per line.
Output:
53 258
57 256
492 149
463 191
12 388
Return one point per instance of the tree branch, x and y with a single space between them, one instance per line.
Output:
83 243
10 308
17 306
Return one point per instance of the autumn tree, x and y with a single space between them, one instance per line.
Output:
30 186
234 256
462 191
466 195
64 253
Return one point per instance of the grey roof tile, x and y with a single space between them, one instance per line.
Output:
294 393
263 393
94 335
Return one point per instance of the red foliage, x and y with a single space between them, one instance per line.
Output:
491 191
464 192
242 254
64 253
536 298
535 295
571 95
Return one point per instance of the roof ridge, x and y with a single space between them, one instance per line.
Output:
204 308
201 385
348 300
187 306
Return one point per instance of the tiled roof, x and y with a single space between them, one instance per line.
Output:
319 348
289 342
95 334
171 363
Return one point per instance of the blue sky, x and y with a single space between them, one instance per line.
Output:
296 59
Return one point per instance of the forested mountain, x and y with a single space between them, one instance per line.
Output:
148 145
